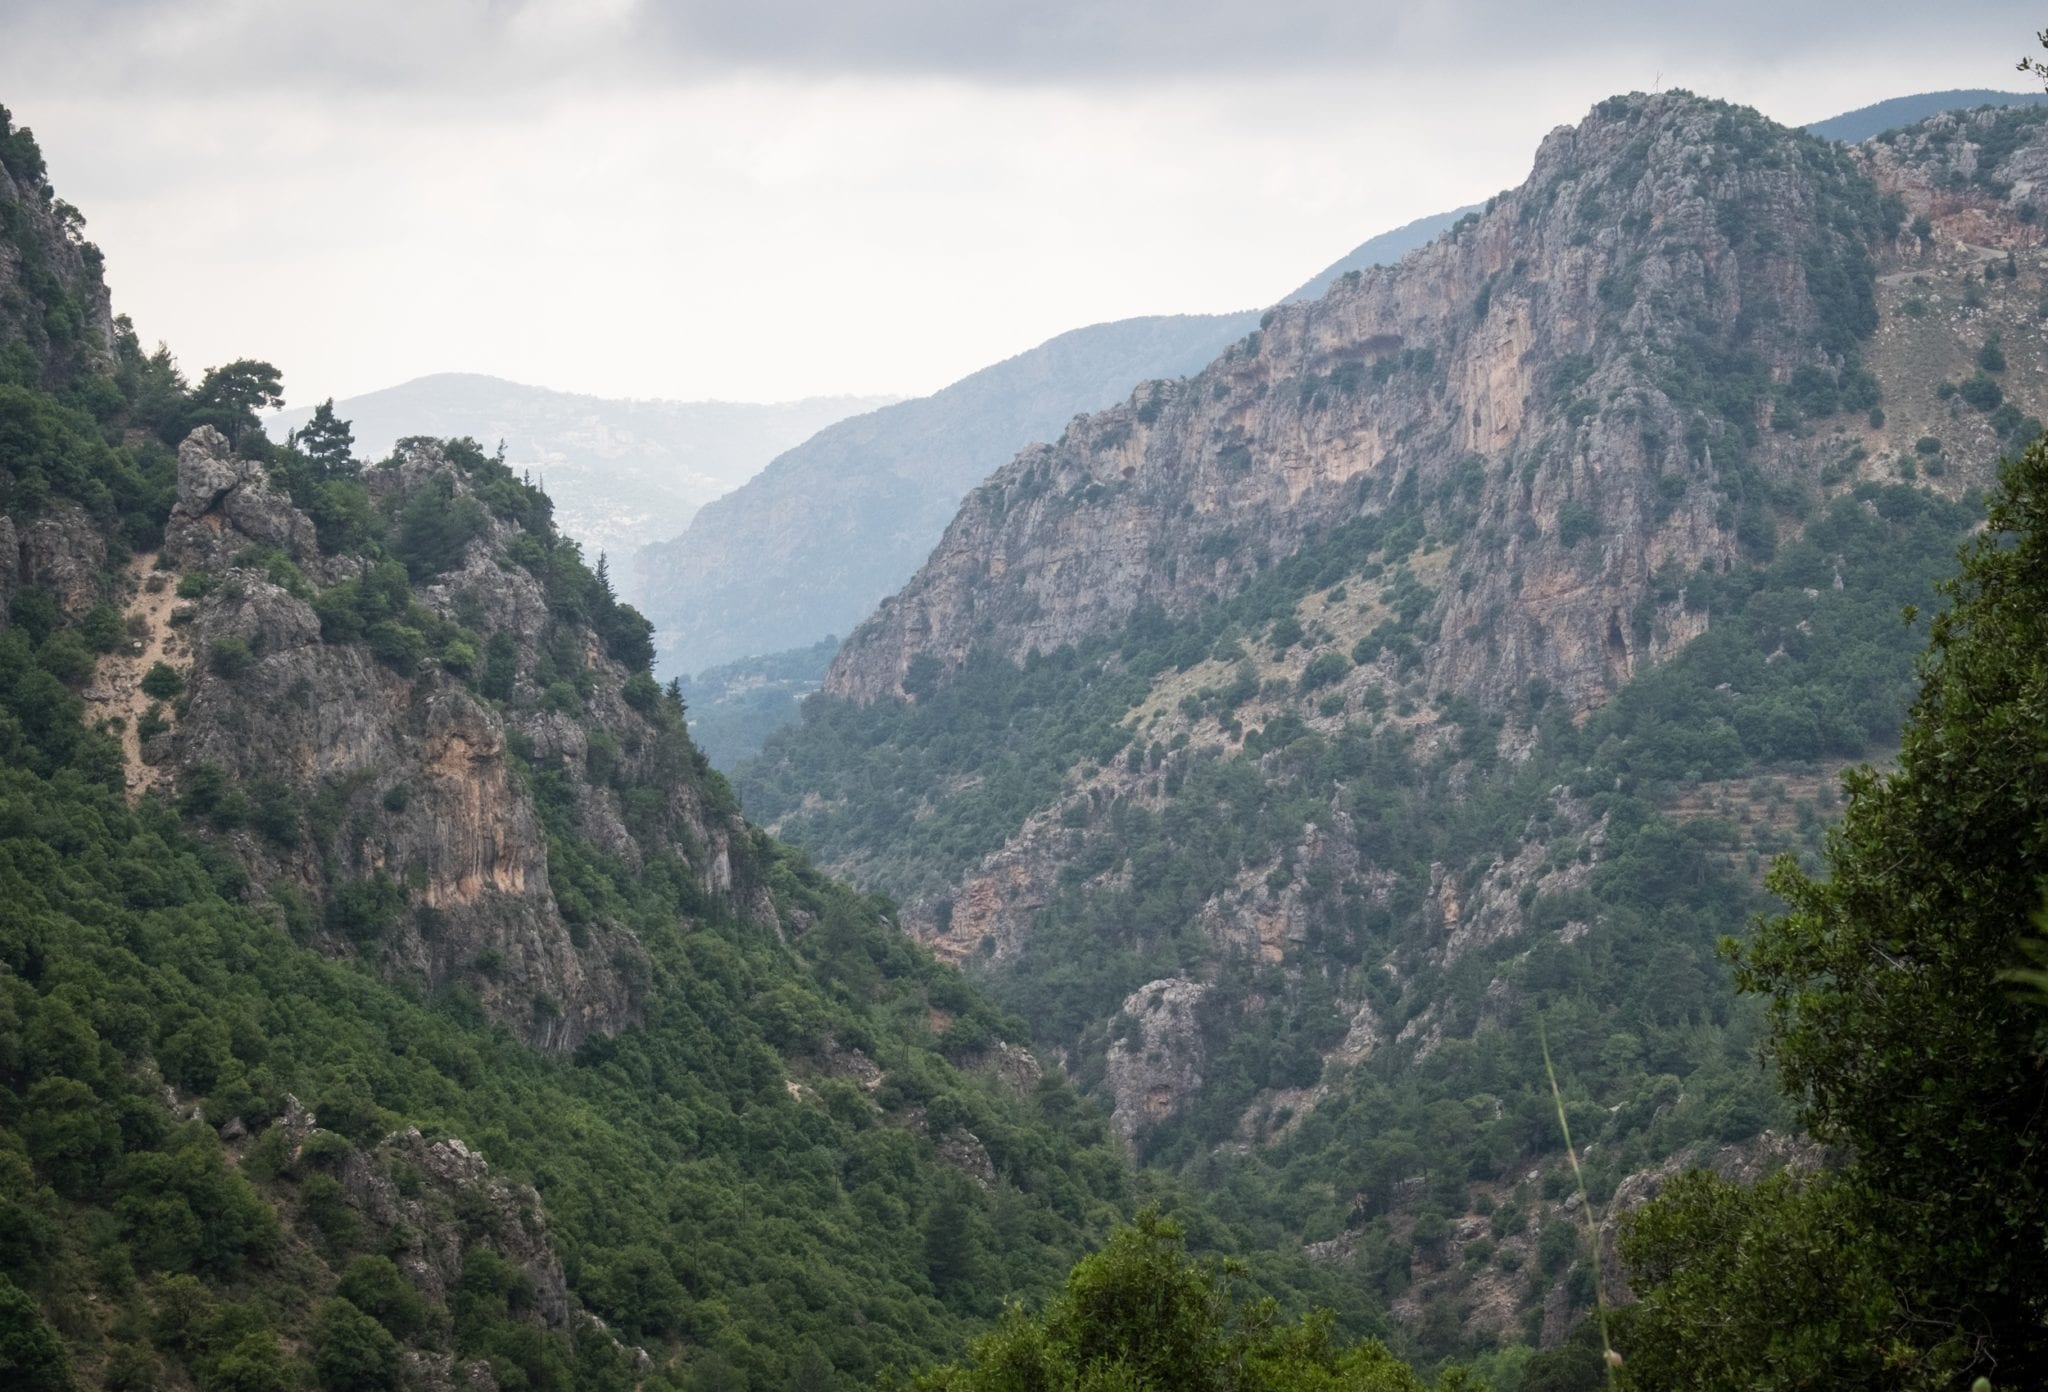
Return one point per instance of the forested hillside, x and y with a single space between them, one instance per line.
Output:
1447 661
390 994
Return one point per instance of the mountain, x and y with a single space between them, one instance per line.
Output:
621 473
809 545
735 707
391 994
818 539
1383 250
1855 127
824 532
1306 747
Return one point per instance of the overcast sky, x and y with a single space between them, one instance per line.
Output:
764 199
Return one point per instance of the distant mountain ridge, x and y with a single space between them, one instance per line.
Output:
1854 127
1383 250
623 472
811 544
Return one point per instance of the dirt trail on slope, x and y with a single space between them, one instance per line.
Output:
116 691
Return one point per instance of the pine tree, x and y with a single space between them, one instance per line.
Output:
229 396
327 441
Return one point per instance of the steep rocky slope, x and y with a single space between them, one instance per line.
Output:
622 473
1602 378
56 317
390 994
808 546
406 773
1294 744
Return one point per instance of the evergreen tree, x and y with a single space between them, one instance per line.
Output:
31 1358
1142 1315
228 397
327 441
950 1258
1895 1024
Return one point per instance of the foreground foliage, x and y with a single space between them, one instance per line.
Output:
1141 1315
1925 1259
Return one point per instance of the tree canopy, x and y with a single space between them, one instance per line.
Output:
1895 1025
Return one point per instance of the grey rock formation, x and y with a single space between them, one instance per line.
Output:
61 552
1523 380
1014 1066
226 504
417 772
963 1151
1158 1064
433 1200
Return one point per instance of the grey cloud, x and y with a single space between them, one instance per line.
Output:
1064 39
504 45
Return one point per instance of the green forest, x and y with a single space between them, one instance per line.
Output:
1656 1047
714 1194
240 1151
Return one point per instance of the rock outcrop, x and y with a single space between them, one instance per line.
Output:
1535 383
433 1200
400 807
226 505
1157 1064
60 552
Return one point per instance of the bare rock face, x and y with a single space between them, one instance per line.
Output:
439 1372
845 1061
437 1199
1014 1066
963 1151
61 552
1258 921
1159 1063
438 809
1529 381
397 808
226 505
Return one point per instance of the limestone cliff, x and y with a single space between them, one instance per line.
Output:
56 317
403 802
1622 369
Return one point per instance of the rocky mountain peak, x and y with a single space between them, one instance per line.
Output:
1593 383
372 736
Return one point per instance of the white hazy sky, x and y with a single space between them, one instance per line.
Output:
764 199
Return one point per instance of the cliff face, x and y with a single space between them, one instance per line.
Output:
401 806
56 317
806 547
1609 375
1295 745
